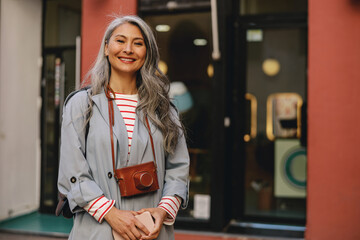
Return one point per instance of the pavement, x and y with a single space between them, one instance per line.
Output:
183 235
37 226
12 236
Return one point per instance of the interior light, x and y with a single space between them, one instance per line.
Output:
163 66
210 70
271 67
200 42
162 28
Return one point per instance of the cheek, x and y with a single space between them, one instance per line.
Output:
111 61
143 56
142 52
113 49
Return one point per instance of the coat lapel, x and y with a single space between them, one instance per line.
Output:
139 141
119 128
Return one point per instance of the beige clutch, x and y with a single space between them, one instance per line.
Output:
145 218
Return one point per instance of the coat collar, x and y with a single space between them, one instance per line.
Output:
140 134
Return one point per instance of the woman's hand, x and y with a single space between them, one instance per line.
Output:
125 223
159 215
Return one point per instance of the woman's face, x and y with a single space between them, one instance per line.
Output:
126 49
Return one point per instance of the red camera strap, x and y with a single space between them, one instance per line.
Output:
111 124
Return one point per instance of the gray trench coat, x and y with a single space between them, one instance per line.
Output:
83 179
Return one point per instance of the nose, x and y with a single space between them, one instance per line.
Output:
128 48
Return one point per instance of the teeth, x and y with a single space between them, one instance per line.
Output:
127 59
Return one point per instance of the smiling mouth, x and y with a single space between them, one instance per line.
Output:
127 60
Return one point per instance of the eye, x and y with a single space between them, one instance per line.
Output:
120 41
139 43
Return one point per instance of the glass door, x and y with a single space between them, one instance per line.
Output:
184 41
272 112
62 21
58 82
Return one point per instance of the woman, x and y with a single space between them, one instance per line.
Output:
125 74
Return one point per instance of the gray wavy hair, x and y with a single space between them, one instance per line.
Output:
152 85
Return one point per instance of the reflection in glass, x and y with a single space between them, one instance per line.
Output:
185 47
50 134
273 165
62 21
283 115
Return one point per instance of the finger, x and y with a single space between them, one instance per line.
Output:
142 210
128 234
155 232
158 222
147 237
134 213
135 232
151 236
123 235
131 236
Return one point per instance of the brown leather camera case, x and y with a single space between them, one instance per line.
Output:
138 179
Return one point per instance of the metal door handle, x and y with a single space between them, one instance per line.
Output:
253 117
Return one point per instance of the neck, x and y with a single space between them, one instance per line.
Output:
123 83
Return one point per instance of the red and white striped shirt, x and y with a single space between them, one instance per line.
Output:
101 205
127 106
171 205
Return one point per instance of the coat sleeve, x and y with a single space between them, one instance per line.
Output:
177 169
75 178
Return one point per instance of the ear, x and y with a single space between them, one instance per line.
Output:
106 50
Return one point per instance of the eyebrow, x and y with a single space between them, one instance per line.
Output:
136 38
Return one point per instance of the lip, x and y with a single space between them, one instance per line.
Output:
127 60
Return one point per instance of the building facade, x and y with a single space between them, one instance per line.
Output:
266 89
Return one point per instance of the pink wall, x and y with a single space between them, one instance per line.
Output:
333 210
95 17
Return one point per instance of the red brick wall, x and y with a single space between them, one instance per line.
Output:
95 17
333 203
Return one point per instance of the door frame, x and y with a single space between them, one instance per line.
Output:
247 224
44 208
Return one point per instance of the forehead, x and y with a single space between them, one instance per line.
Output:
128 30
